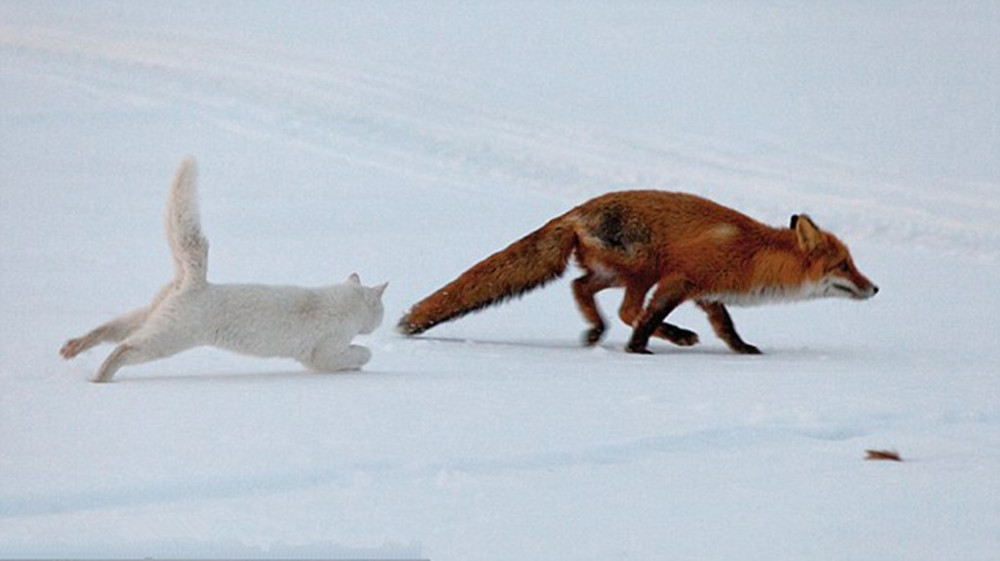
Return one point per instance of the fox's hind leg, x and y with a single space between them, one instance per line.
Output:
632 308
584 289
722 323
668 295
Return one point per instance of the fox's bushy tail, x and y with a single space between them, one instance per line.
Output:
528 263
187 244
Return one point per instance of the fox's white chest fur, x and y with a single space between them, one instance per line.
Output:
768 295
312 325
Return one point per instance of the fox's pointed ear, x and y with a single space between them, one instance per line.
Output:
793 221
380 289
354 279
808 233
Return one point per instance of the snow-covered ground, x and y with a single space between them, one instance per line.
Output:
407 140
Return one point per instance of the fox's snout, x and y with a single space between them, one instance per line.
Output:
860 289
872 290
866 287
849 283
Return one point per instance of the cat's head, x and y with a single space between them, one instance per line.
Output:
372 298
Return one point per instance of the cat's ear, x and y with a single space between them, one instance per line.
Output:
354 279
380 289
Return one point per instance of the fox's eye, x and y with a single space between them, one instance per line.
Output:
844 267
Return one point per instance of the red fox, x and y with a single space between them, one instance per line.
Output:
686 246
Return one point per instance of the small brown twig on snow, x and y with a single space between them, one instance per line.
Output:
887 455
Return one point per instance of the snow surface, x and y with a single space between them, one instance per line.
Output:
407 140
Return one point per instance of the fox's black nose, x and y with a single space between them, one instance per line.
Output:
874 290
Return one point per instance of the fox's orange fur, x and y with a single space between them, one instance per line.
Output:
686 246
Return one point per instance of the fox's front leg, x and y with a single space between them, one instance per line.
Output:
722 323
113 331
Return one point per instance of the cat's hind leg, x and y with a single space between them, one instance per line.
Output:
330 357
113 331
122 355
145 345
116 330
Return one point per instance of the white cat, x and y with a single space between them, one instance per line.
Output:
311 325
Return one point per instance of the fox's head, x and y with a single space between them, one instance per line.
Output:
829 262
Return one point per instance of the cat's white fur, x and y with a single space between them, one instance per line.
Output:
311 325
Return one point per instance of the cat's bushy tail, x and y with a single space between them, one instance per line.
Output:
187 244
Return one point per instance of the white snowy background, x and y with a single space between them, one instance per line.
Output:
406 141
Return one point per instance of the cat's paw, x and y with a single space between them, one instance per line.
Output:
71 348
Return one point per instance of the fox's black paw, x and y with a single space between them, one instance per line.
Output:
638 349
593 336
746 349
677 335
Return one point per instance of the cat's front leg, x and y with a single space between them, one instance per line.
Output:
332 358
356 356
